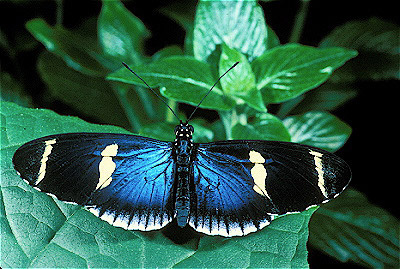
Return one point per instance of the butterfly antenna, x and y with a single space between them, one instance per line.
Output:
133 72
210 91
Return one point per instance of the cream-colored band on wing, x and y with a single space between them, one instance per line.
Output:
45 157
320 171
258 173
107 166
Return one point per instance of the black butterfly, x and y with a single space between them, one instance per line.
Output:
226 188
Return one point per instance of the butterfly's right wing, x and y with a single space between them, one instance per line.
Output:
126 180
241 185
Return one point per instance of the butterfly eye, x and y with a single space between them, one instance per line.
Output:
191 129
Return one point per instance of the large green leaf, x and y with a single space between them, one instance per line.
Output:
352 229
121 34
70 46
39 231
287 71
318 129
239 24
182 78
378 44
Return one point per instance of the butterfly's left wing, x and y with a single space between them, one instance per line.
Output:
240 185
126 180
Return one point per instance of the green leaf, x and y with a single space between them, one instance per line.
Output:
328 96
184 16
240 81
69 46
378 44
352 229
182 78
238 24
121 34
290 70
167 52
318 129
39 231
12 91
91 96
264 126
271 247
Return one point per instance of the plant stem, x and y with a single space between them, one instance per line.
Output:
59 12
121 93
169 117
229 119
146 100
299 22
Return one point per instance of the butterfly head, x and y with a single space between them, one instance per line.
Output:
184 131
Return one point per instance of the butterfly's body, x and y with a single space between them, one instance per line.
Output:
183 148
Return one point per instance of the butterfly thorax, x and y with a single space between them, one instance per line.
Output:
183 146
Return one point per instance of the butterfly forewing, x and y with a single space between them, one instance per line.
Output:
241 185
126 180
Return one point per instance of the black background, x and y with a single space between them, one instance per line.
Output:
372 149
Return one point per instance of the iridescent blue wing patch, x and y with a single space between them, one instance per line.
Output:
241 185
126 180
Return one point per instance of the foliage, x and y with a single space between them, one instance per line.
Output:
270 95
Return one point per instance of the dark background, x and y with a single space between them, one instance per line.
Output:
370 150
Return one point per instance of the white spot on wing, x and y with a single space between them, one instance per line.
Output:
258 173
107 166
45 157
219 228
137 222
320 171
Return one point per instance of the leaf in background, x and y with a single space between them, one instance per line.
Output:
352 229
378 44
39 231
91 96
12 91
290 70
328 96
182 78
238 24
121 34
71 47
184 16
240 81
272 39
167 52
318 129
265 126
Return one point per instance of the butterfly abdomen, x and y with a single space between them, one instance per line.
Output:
183 149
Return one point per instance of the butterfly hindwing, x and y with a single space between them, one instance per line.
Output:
126 180
241 185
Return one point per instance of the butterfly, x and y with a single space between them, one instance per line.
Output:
227 188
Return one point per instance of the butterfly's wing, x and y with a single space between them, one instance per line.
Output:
241 185
126 180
